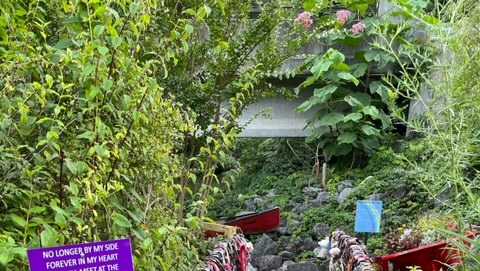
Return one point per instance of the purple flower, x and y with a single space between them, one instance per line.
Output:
305 18
343 15
358 28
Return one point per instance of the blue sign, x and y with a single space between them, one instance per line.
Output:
369 215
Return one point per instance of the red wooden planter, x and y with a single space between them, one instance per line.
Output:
434 257
255 223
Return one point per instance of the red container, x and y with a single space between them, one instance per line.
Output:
432 257
266 221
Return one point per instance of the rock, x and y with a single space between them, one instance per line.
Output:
311 191
343 196
308 244
264 246
344 184
321 230
258 202
306 266
293 225
283 231
286 255
268 262
285 265
376 196
300 208
250 205
271 193
321 198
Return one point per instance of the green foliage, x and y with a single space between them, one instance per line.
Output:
351 105
346 119
331 214
110 121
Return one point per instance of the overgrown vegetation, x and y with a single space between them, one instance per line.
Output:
110 118
119 119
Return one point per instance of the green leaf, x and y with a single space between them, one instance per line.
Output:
357 99
309 5
371 111
98 30
76 168
348 77
189 29
380 89
88 135
92 92
359 70
116 42
320 67
88 70
347 138
63 44
103 50
49 237
330 119
325 93
355 117
18 220
120 220
102 151
52 136
60 220
370 130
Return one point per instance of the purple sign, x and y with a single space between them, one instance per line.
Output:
113 255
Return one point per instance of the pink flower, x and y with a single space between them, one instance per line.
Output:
305 18
358 28
343 15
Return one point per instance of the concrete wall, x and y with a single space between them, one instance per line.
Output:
275 117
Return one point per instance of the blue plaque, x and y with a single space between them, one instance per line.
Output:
368 216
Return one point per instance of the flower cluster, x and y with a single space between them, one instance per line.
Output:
305 18
344 15
358 28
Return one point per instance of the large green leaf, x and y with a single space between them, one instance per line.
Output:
355 117
371 111
347 138
49 237
330 119
370 130
120 220
325 93
18 220
380 89
76 167
348 77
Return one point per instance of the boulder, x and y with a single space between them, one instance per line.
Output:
285 265
321 198
268 262
344 194
308 244
311 191
300 208
286 255
344 184
264 246
305 266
